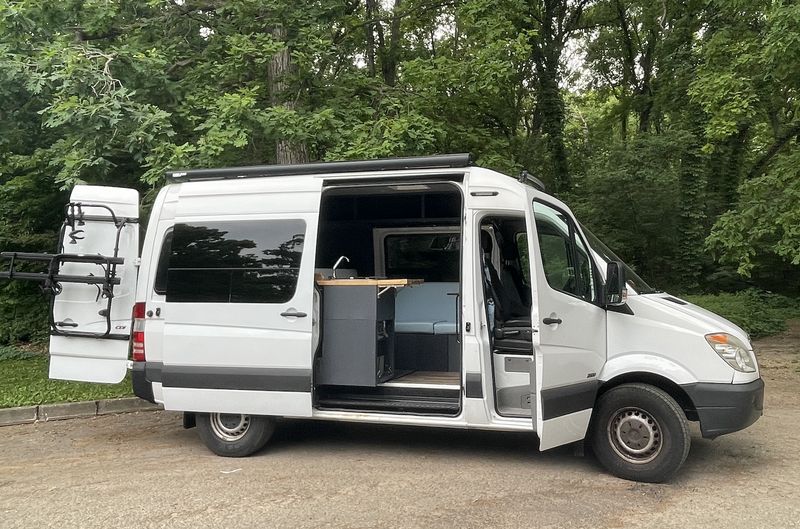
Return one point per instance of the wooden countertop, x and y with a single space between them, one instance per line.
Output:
366 282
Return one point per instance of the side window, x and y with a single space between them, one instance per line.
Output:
565 260
235 261
428 256
160 284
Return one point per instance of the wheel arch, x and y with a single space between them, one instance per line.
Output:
673 389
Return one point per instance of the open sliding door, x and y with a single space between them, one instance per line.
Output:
240 297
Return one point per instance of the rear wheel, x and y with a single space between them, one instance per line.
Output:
640 433
234 434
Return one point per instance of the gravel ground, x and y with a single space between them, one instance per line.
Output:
144 470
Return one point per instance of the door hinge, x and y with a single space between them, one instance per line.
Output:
137 261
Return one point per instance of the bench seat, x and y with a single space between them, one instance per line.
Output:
426 309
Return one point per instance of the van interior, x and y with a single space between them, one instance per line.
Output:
389 347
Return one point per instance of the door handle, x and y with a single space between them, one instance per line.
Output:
293 314
66 324
458 314
550 321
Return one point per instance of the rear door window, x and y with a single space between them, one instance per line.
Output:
235 261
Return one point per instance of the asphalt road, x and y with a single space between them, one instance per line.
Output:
145 470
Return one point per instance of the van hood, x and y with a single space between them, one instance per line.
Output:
703 320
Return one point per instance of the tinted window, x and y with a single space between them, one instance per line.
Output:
160 284
235 261
428 256
565 260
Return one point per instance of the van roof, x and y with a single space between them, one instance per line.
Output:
442 161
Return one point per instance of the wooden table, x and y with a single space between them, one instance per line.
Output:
369 282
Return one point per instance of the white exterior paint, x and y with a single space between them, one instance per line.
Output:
661 338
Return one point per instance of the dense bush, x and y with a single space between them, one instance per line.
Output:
757 312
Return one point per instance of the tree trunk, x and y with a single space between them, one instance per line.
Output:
547 48
551 106
692 216
369 30
287 151
390 56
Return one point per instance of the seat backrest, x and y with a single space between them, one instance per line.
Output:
511 284
418 308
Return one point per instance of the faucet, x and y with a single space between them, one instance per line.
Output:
338 262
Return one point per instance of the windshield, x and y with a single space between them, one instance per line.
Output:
604 252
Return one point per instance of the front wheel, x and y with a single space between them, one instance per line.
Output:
234 434
640 433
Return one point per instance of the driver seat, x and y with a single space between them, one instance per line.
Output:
512 333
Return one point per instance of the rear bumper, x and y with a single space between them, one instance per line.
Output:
142 387
726 408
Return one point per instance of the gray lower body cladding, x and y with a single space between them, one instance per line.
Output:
726 408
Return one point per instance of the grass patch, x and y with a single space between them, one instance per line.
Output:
24 382
758 313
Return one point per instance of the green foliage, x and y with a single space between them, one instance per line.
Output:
759 313
630 203
24 382
672 127
8 352
762 223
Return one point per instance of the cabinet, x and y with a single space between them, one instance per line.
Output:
357 335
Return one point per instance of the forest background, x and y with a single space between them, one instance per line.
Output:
670 127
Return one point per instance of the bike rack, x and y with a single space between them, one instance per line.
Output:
52 280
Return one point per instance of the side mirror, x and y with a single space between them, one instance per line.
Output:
616 287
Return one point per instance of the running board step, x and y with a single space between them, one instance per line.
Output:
440 406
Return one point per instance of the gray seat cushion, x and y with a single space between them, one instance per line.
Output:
425 308
445 327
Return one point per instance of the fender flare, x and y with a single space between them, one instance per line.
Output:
638 362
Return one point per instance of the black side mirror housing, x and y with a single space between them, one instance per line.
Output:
616 286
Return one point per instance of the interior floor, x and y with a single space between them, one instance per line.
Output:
444 379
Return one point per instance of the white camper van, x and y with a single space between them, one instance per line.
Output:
413 291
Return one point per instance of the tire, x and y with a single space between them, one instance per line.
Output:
234 435
639 432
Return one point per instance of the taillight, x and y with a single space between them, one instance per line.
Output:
137 336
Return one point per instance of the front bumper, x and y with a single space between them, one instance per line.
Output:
726 408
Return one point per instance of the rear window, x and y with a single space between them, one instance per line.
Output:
160 284
428 256
235 261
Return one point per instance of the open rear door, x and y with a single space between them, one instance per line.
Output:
571 346
93 282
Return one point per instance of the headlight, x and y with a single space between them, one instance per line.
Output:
733 351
